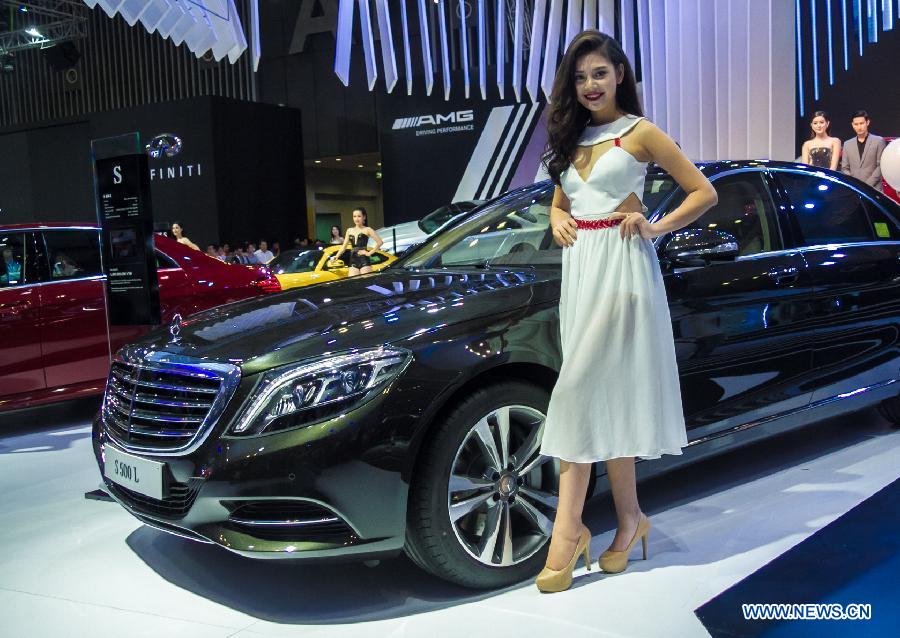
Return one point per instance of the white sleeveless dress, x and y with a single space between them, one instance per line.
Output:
618 392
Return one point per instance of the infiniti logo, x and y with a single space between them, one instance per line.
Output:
167 144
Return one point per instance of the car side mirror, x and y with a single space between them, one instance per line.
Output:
699 246
336 263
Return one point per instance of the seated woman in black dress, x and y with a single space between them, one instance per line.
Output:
356 240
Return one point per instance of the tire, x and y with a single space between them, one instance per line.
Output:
890 409
468 546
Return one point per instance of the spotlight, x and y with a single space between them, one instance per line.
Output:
32 31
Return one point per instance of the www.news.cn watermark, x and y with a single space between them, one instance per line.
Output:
807 611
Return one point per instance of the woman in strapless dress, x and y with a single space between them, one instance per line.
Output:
821 149
618 394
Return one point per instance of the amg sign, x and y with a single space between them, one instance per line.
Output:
454 117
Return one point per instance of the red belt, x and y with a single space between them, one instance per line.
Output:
596 224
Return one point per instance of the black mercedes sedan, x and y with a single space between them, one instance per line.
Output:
401 411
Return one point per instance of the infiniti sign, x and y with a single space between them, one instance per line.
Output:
166 145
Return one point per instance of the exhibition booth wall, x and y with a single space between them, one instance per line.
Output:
238 176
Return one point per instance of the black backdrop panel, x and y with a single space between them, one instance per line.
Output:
870 83
238 177
427 144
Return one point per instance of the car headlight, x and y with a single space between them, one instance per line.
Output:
313 391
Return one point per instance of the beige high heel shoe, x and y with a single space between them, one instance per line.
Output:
614 562
552 581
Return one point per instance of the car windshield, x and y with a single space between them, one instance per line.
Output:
437 218
513 230
291 262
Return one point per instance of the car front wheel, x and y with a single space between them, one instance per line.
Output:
483 499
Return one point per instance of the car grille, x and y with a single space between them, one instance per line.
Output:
159 407
175 505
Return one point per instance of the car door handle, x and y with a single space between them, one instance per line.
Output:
784 275
13 309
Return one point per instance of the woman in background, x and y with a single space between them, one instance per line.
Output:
178 233
357 239
821 149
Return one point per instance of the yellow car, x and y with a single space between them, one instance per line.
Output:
295 268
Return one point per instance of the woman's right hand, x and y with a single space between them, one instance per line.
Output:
564 229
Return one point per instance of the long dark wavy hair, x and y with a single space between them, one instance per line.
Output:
566 117
825 117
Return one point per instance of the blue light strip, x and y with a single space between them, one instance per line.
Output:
344 40
815 51
872 13
465 45
533 73
887 17
844 28
388 55
830 44
518 46
799 48
407 58
445 48
482 55
426 47
501 46
857 4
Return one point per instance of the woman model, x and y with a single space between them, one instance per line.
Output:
357 238
618 395
821 149
178 233
335 239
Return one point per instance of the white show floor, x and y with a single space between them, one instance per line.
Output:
74 567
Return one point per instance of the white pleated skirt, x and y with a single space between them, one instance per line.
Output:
618 392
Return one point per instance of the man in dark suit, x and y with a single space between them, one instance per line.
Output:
861 157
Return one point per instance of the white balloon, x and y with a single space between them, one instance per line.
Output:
890 164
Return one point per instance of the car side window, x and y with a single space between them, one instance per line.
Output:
826 212
745 211
12 259
885 226
73 253
164 261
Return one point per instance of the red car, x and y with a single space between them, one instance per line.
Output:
55 343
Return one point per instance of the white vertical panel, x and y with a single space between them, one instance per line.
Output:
445 48
551 50
501 47
657 13
689 103
590 15
386 33
425 35
759 87
482 48
707 79
533 74
407 58
782 93
739 51
518 46
723 106
646 46
368 39
628 34
606 16
673 69
573 20
464 46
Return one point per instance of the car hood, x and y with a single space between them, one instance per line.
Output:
359 312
